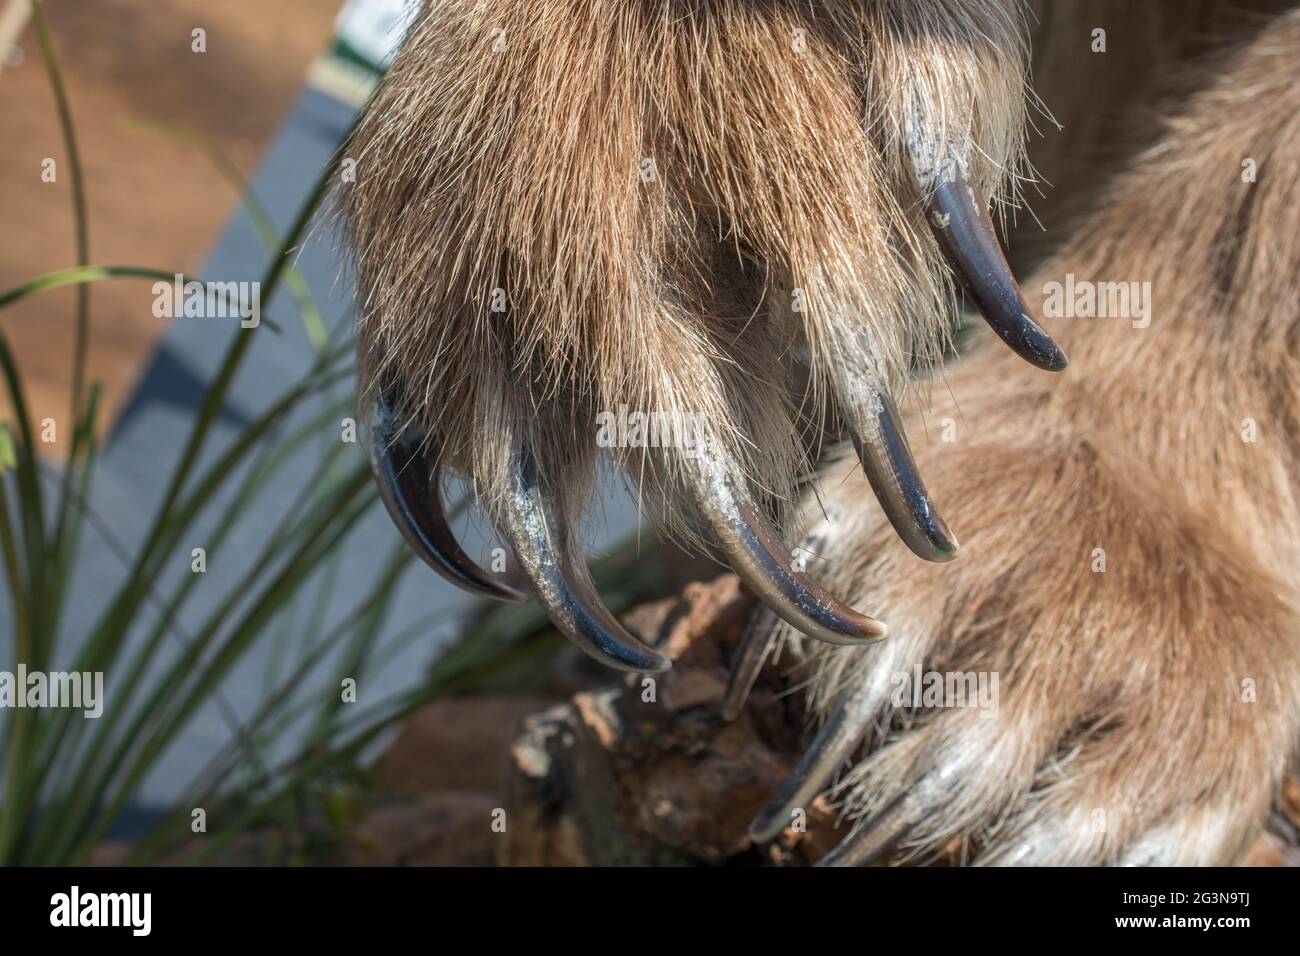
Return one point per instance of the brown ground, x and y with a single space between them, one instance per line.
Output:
152 201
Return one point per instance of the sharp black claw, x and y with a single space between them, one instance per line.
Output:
755 646
408 476
887 462
560 581
870 839
832 746
756 553
960 219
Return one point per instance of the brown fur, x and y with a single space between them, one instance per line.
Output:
777 170
1121 692
521 170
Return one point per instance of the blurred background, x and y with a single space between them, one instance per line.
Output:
184 505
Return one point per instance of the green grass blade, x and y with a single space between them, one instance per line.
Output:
78 201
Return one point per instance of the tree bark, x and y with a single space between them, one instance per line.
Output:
646 771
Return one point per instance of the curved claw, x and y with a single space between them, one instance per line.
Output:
756 553
960 219
888 464
832 746
760 638
870 839
755 646
563 585
410 488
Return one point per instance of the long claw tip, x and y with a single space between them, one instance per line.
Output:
961 224
945 543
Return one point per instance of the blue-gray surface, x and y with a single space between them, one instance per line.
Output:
147 441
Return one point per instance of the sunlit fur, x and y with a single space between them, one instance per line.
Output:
1122 733
1126 730
659 187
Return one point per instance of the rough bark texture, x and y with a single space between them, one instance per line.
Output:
645 771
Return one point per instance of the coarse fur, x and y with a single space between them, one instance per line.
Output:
654 185
678 201
1131 529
